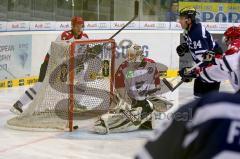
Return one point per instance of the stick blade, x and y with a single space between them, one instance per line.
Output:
165 81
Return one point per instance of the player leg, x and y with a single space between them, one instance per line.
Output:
30 94
147 109
201 88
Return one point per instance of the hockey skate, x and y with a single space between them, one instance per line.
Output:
17 108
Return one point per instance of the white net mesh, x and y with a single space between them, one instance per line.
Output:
93 67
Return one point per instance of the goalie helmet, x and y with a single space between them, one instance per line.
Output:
77 20
135 53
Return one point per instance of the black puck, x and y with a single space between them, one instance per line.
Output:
75 127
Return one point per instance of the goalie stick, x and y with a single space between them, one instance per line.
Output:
136 10
168 84
131 117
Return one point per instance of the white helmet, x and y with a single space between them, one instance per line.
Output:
135 53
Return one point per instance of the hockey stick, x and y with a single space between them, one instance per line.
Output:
136 10
127 113
168 84
131 117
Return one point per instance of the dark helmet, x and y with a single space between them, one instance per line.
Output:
188 12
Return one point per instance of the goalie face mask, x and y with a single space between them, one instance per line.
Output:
134 58
77 28
135 54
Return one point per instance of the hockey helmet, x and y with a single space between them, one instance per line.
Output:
231 33
77 20
188 12
135 53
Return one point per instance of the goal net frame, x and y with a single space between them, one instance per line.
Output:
72 75
37 119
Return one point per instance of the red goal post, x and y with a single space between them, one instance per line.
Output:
72 74
78 85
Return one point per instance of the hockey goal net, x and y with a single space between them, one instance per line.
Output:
78 85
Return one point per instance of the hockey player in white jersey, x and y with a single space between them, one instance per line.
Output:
228 63
75 33
135 79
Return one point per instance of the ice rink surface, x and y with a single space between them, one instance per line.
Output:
80 144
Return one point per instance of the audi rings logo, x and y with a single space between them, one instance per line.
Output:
132 25
102 25
161 25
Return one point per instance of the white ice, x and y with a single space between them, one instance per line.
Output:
80 144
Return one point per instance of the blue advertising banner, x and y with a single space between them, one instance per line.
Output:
15 56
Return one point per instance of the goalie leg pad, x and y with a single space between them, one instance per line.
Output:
116 123
160 104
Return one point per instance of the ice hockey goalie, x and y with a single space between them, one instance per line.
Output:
136 85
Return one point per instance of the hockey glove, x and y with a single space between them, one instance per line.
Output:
187 75
208 58
182 49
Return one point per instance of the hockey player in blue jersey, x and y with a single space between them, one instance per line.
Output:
212 132
198 41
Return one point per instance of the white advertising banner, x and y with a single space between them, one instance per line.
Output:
119 24
149 25
97 25
66 25
216 26
18 26
236 24
3 26
175 26
42 25
103 25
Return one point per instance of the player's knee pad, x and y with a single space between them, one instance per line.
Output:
159 106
